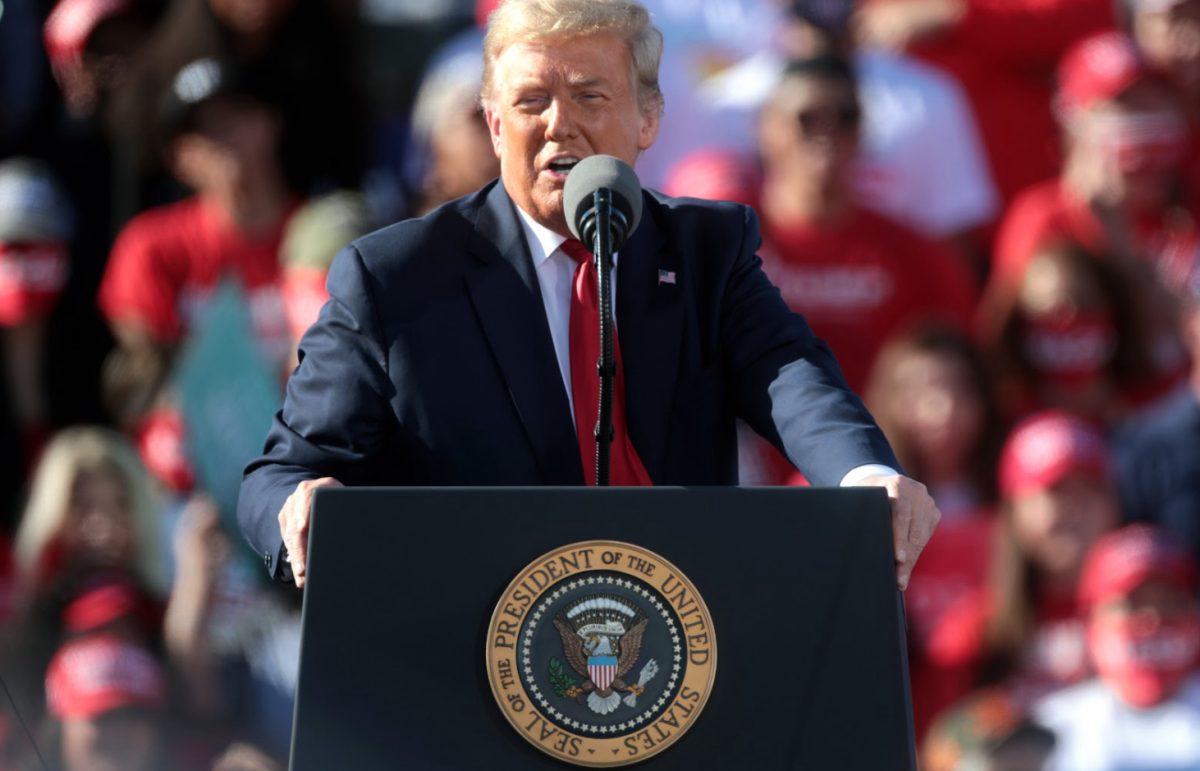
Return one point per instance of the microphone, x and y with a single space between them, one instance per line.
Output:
615 181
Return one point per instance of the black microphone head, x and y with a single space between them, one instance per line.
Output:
592 174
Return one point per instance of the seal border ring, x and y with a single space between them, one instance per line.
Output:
598 544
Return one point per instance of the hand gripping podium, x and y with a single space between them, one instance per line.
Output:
545 628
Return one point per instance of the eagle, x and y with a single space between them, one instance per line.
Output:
578 647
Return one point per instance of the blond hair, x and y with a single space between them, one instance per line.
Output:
71 454
521 21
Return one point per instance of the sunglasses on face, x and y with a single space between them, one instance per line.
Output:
841 119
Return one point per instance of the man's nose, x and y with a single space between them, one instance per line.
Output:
560 122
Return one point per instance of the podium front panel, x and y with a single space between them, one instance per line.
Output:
799 584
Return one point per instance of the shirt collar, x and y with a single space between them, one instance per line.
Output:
543 241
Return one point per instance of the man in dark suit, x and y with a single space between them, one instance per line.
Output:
445 353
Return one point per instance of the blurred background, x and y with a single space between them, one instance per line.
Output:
987 207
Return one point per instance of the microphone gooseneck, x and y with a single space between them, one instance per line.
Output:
603 203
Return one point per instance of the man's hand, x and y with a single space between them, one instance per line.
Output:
293 523
914 517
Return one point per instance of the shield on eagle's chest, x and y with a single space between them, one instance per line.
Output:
602 670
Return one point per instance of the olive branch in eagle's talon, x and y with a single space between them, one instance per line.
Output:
562 683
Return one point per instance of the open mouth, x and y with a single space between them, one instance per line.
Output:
562 165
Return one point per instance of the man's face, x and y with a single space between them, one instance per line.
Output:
557 101
809 129
231 150
1057 525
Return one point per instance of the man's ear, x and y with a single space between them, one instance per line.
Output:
492 116
648 124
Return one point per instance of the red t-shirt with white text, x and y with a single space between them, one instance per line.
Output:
863 279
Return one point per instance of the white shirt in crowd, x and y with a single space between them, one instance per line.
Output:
1097 731
921 160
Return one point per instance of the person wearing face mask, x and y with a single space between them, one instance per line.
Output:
1065 335
1167 35
1143 709
1120 191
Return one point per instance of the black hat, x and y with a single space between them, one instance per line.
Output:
198 83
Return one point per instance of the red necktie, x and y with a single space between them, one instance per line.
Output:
625 467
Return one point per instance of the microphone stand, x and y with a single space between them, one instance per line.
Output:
606 367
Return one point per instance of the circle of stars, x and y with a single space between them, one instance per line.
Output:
600 582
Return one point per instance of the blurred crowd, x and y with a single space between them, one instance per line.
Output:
989 208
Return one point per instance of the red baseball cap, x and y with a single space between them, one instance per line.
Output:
1048 446
1121 560
1098 68
69 26
100 673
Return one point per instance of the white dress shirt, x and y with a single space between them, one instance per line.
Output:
556 276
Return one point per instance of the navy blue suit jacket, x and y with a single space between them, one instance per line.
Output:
432 363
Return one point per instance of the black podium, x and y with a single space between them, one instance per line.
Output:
810 665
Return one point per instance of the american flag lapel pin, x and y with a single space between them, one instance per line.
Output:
666 277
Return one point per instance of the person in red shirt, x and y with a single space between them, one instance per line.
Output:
1167 35
223 140
1003 52
1120 189
857 276
1025 631
166 262
1142 710
1121 195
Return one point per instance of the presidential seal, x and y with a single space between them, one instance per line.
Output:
601 653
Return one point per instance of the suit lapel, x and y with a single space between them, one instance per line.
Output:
650 320
506 296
